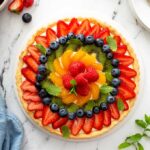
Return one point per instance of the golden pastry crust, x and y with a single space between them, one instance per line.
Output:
81 135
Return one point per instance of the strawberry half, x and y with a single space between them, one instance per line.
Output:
88 125
107 117
98 123
66 81
48 116
59 123
50 35
121 50
114 111
28 96
73 25
62 28
118 40
104 33
32 106
28 3
41 40
16 6
38 114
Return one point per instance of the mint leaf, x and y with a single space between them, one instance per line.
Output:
141 123
140 146
65 131
72 108
49 64
73 82
109 77
124 145
134 138
147 119
147 132
120 104
112 43
89 105
105 89
41 48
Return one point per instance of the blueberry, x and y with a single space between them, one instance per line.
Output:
80 37
110 99
38 85
115 72
46 100
70 35
54 108
42 69
43 59
48 51
42 93
26 17
89 114
89 39
63 112
99 42
109 55
103 106
106 48
115 82
114 92
96 109
80 113
39 77
54 45
115 62
71 115
62 40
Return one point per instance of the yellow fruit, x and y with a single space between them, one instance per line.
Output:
56 79
102 78
97 66
94 91
78 55
69 99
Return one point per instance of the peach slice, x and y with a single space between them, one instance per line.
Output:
94 91
78 55
102 78
56 79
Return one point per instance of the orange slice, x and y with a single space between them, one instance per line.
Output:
88 60
97 66
94 91
56 79
102 78
69 99
78 55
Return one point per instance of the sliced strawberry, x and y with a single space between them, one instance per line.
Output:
31 63
60 122
28 96
50 35
88 125
81 80
38 114
73 25
28 86
28 3
104 33
127 72
48 116
69 123
41 40
16 6
34 52
118 39
62 28
66 81
77 125
107 117
99 118
121 50
84 27
83 90
32 106
29 74
95 31
114 111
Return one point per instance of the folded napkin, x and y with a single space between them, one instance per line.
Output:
11 130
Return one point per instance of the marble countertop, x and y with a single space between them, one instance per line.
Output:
13 31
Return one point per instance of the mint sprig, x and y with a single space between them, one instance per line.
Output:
65 131
73 88
134 140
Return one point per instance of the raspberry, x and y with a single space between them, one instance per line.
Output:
81 81
66 81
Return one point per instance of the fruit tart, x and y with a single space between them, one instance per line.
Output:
77 78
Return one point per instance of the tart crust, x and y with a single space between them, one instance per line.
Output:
94 132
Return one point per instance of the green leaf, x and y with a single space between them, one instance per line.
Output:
112 43
141 123
59 51
73 108
49 64
41 48
124 145
147 119
109 77
140 146
105 89
73 82
147 132
134 138
89 105
120 104
65 131
57 101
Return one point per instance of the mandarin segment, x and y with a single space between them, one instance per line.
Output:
102 78
97 66
78 55
88 60
94 91
56 79
69 99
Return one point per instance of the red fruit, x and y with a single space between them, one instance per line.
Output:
28 96
32 106
66 81
59 123
31 63
16 6
48 116
62 28
104 33
50 35
99 118
28 3
77 125
41 40
84 27
91 74
29 74
88 125
38 114
81 80
76 68
127 72
83 90
69 123
73 25
114 111
118 39
121 50
107 117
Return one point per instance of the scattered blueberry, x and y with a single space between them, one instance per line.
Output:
71 115
48 51
63 112
115 72
106 48
46 100
54 45
109 55
26 17
110 99
42 93
115 62
89 39
42 69
89 114
80 37
115 82
114 92
70 35
62 40
103 106
38 85
96 109
39 77
54 108
80 113
43 59
99 42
